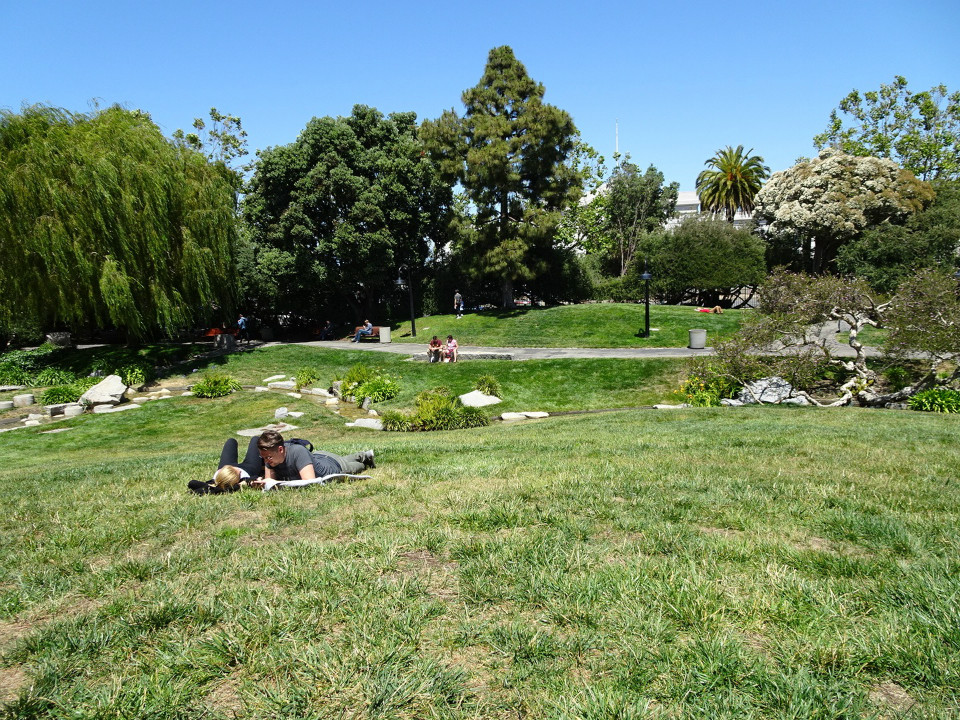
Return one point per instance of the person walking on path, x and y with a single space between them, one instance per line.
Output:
458 304
243 333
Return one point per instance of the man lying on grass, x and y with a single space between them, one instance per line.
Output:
271 462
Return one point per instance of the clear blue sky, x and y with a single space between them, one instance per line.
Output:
684 79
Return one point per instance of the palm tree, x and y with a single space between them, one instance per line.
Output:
733 182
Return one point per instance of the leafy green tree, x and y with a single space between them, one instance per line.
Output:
821 204
919 131
732 182
636 204
510 153
888 254
705 261
335 214
104 221
225 141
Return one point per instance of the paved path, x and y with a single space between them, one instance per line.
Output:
827 331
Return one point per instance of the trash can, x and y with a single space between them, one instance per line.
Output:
385 334
698 339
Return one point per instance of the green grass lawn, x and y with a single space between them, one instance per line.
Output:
589 325
735 563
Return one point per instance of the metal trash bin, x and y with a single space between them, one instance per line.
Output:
385 334
698 339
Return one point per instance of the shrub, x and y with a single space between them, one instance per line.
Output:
85 383
14 375
53 376
134 375
942 400
355 376
704 387
488 385
379 388
306 376
213 385
60 394
436 409
395 421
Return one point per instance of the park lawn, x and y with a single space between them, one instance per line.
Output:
550 385
612 325
721 563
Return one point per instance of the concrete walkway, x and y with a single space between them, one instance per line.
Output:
475 352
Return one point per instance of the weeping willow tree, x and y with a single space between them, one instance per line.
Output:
105 222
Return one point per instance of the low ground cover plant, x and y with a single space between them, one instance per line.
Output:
215 384
436 409
941 400
364 381
488 385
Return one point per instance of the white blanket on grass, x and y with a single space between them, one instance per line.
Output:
272 484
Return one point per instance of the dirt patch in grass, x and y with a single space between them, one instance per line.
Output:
12 679
14 630
225 698
889 694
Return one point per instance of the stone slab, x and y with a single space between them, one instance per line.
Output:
280 427
479 399
103 409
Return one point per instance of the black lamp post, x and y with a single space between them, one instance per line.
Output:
646 277
409 284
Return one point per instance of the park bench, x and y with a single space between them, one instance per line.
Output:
373 337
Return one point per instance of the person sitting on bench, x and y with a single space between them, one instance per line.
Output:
367 329
435 350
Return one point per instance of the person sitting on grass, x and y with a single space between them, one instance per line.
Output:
435 349
291 462
366 329
232 475
451 351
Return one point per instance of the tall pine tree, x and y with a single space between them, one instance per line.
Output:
510 154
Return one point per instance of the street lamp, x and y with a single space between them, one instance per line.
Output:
646 277
409 284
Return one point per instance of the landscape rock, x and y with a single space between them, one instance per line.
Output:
513 416
478 399
12 388
187 393
766 390
30 423
295 414
295 395
799 400
109 390
22 401
35 416
664 406
731 402
72 410
371 423
322 392
535 414
107 408
225 341
283 385
143 399
365 405
280 427
280 413
332 401
60 339
335 387
261 388
6 405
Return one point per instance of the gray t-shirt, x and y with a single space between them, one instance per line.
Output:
297 457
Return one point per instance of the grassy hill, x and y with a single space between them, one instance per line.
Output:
767 563
588 325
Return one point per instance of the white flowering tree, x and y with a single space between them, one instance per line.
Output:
822 203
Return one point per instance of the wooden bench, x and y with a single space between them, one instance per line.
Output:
373 337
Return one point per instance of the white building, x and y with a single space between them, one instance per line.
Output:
688 203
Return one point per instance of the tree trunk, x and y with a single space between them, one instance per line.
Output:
507 292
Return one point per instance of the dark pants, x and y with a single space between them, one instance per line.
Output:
252 462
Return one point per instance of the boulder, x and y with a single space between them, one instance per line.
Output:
72 410
280 413
225 341
766 390
101 409
110 390
6 405
371 423
60 339
22 401
478 399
